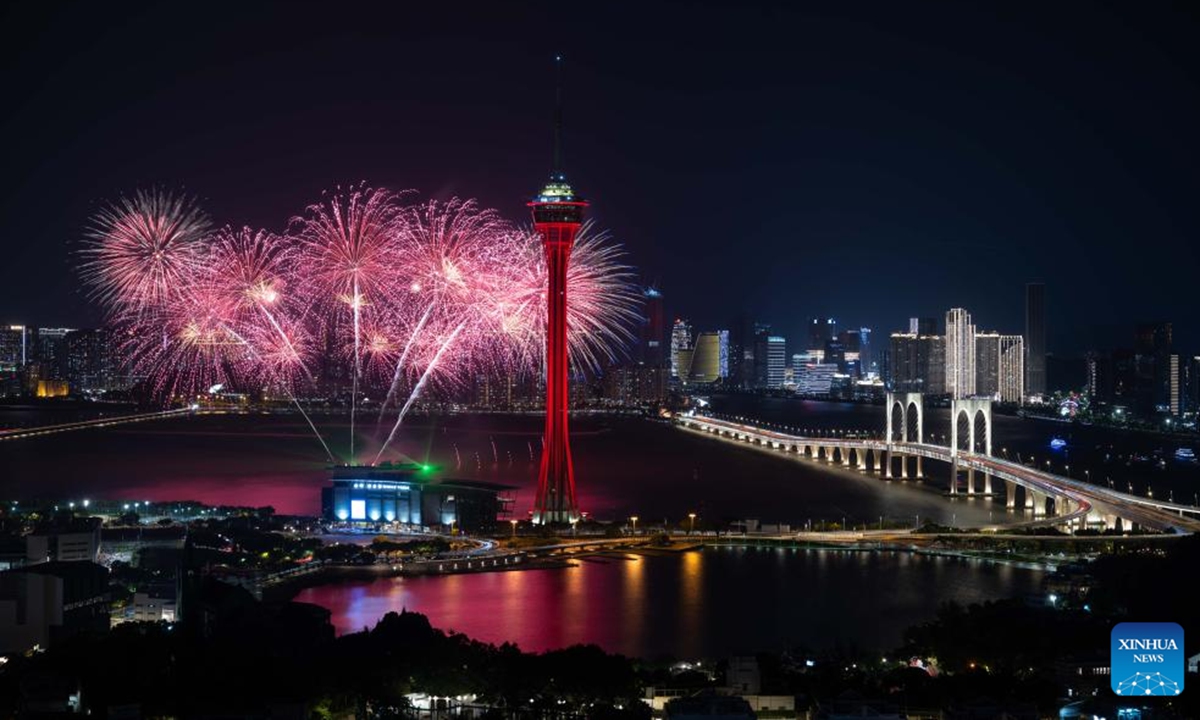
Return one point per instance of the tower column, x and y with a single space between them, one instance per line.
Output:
557 216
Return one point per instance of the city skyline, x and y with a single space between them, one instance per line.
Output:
572 362
889 183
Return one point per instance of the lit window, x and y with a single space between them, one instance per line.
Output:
358 509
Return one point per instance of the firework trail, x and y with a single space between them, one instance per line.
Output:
417 391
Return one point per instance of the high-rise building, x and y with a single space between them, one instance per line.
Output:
903 374
1011 374
636 384
933 357
707 355
50 352
866 352
917 363
987 364
651 343
1193 384
852 342
821 329
1152 368
1035 338
14 347
960 354
741 353
681 340
835 354
723 361
1173 385
1093 368
760 360
923 326
776 361
814 379
92 363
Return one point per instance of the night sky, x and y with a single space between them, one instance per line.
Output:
896 161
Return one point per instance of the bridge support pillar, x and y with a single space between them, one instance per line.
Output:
1010 494
970 481
878 460
887 464
1028 499
954 476
903 466
920 472
845 457
987 484
1039 504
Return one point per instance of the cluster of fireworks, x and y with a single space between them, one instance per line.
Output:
401 296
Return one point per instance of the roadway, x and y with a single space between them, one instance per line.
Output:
22 433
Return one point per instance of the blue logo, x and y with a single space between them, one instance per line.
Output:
1147 659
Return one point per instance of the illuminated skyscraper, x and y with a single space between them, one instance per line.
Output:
681 342
999 367
776 361
706 357
652 338
1173 385
14 347
960 354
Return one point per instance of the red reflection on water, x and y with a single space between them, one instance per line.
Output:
601 603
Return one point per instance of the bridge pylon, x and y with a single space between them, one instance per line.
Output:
901 407
972 409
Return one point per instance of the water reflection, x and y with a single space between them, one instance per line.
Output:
710 603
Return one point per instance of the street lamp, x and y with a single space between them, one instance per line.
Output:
514 528
634 520
691 523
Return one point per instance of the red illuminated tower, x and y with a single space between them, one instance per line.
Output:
557 216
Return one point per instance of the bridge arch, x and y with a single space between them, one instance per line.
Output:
903 409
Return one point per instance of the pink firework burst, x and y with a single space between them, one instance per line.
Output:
141 252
